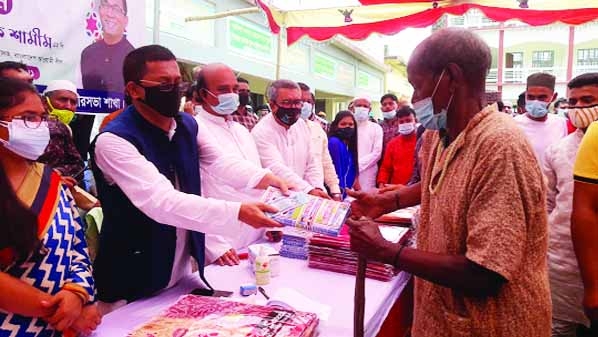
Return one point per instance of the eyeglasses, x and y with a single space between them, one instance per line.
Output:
33 121
290 104
113 8
162 86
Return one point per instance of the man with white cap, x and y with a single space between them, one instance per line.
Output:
369 142
62 99
61 154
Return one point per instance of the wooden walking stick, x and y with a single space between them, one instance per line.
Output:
358 316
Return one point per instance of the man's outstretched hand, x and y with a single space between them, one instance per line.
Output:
253 215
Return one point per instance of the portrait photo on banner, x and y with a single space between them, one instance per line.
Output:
81 41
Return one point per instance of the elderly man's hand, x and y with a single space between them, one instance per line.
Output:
390 188
371 205
274 181
367 240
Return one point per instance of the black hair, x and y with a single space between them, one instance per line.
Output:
303 86
200 84
501 106
389 95
242 80
583 80
334 129
125 7
11 65
12 92
559 101
189 92
521 100
18 224
263 107
135 64
405 111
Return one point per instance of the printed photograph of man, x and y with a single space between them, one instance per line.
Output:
102 62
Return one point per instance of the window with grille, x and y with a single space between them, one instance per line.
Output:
457 21
487 21
587 57
543 59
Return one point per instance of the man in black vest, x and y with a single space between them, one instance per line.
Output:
146 164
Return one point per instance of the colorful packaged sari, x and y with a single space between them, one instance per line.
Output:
62 262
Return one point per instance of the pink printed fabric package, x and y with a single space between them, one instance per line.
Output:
198 316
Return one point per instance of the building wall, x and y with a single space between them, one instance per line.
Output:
246 44
520 38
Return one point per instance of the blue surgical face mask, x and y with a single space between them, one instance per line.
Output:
227 103
306 110
536 109
424 111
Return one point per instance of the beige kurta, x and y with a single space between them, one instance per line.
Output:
490 208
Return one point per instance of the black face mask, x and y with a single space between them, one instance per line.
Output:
164 102
345 133
244 99
288 116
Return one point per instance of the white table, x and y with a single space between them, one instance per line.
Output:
335 290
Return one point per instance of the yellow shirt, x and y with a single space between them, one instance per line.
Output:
586 164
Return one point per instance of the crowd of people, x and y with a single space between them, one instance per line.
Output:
509 205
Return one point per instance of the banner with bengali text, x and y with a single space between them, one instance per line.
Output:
84 41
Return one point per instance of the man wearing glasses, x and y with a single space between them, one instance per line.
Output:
284 141
146 164
101 63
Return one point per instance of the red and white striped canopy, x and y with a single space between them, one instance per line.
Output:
391 16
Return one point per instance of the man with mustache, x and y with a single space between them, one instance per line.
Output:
102 62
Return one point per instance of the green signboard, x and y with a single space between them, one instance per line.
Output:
324 66
368 81
250 39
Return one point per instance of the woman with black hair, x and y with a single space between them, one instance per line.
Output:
342 144
45 271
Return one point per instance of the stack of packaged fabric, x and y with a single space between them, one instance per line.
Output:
334 253
301 210
193 316
295 243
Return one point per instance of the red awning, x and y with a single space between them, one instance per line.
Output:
389 17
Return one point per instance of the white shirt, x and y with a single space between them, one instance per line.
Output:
369 150
233 139
154 195
319 143
565 281
288 153
542 134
